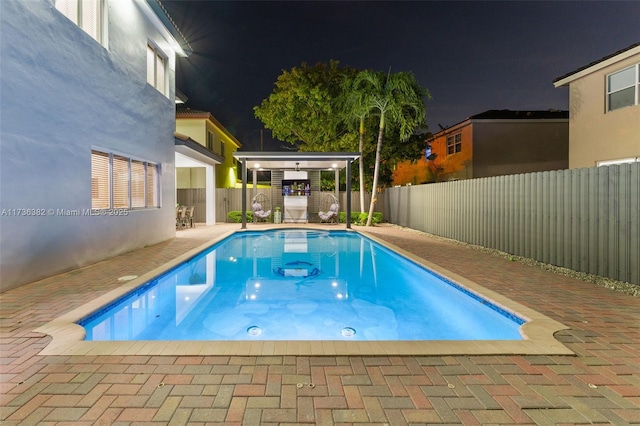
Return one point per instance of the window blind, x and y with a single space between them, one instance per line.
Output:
152 185
160 73
100 197
137 184
151 69
120 182
90 10
87 14
68 8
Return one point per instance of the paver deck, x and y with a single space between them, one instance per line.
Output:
599 384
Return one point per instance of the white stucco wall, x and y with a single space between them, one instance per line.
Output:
61 93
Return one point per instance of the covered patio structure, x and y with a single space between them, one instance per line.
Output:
298 161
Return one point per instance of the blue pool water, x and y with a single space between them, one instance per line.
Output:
300 285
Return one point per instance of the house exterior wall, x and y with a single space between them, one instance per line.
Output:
196 129
492 147
416 173
226 172
457 165
444 167
595 134
504 147
62 94
191 177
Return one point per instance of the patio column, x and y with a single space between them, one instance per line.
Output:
210 195
348 194
244 194
337 186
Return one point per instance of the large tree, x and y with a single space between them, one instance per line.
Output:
303 108
397 98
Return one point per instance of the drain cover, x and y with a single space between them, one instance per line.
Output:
348 332
254 331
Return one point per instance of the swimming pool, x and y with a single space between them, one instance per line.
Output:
67 338
296 284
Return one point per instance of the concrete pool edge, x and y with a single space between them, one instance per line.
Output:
538 332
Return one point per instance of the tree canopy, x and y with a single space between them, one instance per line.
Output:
397 98
328 108
304 109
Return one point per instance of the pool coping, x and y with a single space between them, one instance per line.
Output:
538 332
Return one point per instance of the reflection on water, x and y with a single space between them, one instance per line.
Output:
299 285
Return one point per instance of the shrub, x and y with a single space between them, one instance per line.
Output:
358 218
235 216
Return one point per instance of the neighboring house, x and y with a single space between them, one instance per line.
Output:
493 143
604 107
205 129
86 131
204 161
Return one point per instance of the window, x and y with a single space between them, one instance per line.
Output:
152 186
222 148
210 141
623 88
87 14
454 143
156 61
100 194
138 187
120 182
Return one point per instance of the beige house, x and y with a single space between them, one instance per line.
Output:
205 129
604 110
204 161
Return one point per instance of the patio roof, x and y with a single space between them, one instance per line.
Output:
296 160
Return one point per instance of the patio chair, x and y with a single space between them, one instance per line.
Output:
259 206
189 216
330 213
181 217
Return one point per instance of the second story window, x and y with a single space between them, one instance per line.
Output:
87 14
623 88
210 141
454 143
156 64
222 148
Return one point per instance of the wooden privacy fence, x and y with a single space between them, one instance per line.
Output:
586 219
193 197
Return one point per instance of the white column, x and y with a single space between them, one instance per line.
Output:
337 174
210 196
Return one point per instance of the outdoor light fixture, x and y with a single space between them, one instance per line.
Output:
297 167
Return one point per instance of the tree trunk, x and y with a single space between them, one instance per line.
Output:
360 165
374 189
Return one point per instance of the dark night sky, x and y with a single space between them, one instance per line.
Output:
472 56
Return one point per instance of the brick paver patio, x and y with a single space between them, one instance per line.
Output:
601 384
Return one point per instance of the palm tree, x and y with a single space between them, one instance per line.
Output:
356 108
398 98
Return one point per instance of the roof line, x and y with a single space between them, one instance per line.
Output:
619 52
163 15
